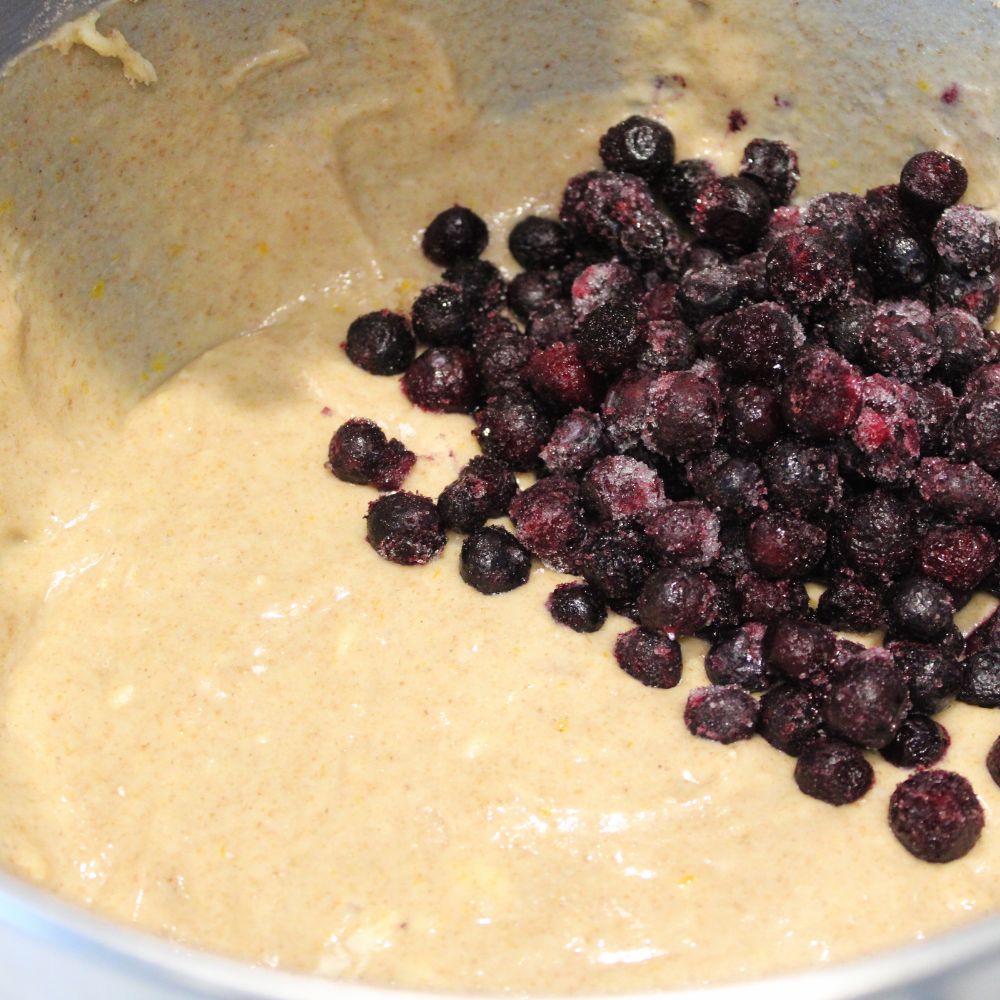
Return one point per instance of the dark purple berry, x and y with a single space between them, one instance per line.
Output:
577 442
959 557
484 489
608 283
624 409
457 233
921 608
709 291
755 343
869 701
617 561
753 416
530 291
619 488
965 345
833 771
963 491
736 658
976 430
481 282
668 346
784 545
967 240
393 466
900 260
844 327
550 323
808 268
550 522
684 534
733 485
677 602
513 427
724 713
683 415
501 351
731 213
681 185
802 480
774 165
443 380
789 718
823 395
540 244
936 816
765 600
932 181
355 450
609 339
919 742
838 214
441 316
638 145
978 294
560 378
899 340
493 561
934 675
993 761
405 528
878 537
653 659
381 343
848 604
799 650
981 679
577 606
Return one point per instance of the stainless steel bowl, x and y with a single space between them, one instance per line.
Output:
54 950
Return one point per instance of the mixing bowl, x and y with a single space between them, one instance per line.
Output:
870 55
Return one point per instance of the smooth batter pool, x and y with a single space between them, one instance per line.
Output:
222 717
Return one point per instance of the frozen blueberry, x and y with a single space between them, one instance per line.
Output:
933 674
638 145
501 351
723 713
899 340
734 485
765 600
678 602
784 545
530 291
936 815
959 557
381 343
976 430
709 291
753 416
801 479
833 771
962 490
919 742
808 267
755 343
978 294
441 316
931 181
617 561
682 183
774 165
624 409
967 240
577 441
577 606
867 704
921 608
685 534
899 260
493 561
560 378
443 380
609 339
823 395
550 522
355 450
484 489
393 466
843 326
513 427
879 535
993 761
799 650
607 283
405 528
839 214
736 658
883 445
619 488
789 718
550 323
848 604
965 345
540 244
669 346
981 679
731 213
649 657
457 233
683 414
481 282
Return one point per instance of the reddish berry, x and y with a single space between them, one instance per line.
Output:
823 395
550 522
783 545
808 268
962 490
649 657
560 378
959 557
619 488
765 600
684 534
608 283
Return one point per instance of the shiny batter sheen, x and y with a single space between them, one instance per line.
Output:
222 717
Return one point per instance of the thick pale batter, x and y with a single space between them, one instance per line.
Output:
222 717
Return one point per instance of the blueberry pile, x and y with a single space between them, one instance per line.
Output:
723 396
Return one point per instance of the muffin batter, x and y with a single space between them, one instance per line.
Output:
222 717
